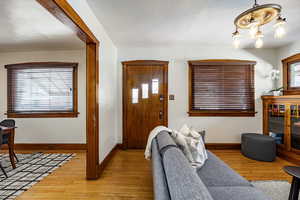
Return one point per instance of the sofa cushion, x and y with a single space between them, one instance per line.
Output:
182 179
237 193
161 191
164 140
216 173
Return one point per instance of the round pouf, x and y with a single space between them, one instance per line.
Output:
258 147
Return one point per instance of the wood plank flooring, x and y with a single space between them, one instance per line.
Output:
128 177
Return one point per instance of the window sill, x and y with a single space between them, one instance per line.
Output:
43 115
221 113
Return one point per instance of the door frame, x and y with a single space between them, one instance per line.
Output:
64 12
145 63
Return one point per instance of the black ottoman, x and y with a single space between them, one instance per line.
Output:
258 147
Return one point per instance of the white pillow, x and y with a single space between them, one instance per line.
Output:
194 134
189 132
198 151
181 141
185 130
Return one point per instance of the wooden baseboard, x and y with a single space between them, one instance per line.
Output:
111 154
222 146
40 146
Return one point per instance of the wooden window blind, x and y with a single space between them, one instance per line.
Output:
221 88
42 90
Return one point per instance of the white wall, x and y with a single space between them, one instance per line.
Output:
285 52
47 130
108 78
219 129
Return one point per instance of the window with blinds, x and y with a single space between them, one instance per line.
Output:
42 90
221 88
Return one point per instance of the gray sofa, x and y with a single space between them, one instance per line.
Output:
175 179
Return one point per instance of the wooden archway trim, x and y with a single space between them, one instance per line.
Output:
64 12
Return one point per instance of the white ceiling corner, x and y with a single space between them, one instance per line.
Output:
186 22
26 25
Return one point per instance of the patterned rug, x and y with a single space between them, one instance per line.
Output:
277 190
30 169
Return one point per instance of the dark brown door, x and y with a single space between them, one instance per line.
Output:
145 100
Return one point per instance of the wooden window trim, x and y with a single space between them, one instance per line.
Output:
55 114
219 113
287 90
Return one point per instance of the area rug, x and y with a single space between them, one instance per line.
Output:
30 169
277 190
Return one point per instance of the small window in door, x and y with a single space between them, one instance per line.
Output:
155 86
135 95
145 88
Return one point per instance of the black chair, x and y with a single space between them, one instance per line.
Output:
5 137
1 138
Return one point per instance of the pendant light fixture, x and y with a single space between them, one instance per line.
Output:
254 18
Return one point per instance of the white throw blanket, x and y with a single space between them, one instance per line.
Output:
152 135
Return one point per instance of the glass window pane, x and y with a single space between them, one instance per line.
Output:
155 86
145 88
276 122
295 126
135 95
295 74
43 89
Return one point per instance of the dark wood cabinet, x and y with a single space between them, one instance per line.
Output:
281 119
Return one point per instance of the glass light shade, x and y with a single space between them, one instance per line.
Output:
279 31
236 39
259 42
236 43
253 28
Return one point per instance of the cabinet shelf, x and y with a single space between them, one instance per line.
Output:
282 115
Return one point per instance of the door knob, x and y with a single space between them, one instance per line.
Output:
161 97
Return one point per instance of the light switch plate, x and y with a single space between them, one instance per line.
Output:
171 97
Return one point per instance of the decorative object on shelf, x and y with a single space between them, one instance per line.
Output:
254 18
274 74
276 91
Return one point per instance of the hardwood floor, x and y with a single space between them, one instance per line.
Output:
254 170
128 177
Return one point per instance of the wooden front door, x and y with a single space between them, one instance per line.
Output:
145 100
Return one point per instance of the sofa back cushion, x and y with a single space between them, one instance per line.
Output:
161 190
183 181
164 141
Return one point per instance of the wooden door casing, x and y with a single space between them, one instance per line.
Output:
135 73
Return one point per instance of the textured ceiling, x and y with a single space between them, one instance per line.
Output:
186 22
26 25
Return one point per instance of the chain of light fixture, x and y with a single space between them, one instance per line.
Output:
255 17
